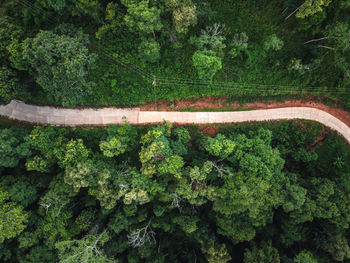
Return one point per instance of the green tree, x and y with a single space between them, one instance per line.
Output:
292 232
338 35
37 163
219 146
171 165
214 252
61 63
296 194
22 192
113 21
184 14
338 247
79 175
304 256
9 85
211 39
344 4
311 7
28 239
323 200
239 44
9 32
87 250
106 182
193 185
75 152
40 254
53 203
179 143
119 222
207 64
253 189
16 56
274 43
187 223
86 7
57 5
139 190
13 218
262 253
149 50
50 229
46 144
56 198
119 140
86 218
12 148
142 18
55 220
156 154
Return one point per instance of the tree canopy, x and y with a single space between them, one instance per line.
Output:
125 193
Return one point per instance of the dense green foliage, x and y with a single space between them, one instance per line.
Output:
250 193
253 193
60 61
127 52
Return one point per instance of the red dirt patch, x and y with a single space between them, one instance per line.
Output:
209 130
319 141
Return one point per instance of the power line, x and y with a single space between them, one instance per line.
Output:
243 88
128 65
237 84
161 80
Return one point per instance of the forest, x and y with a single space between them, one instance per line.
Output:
266 192
128 52
252 193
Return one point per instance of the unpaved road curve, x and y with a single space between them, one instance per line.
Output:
17 110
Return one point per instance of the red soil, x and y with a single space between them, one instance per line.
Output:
209 130
319 141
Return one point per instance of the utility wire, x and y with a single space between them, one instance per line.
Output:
241 89
114 56
160 80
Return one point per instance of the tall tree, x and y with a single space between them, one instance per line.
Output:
87 250
23 192
262 253
86 7
157 155
57 5
304 256
13 217
10 86
212 39
9 32
252 188
12 149
184 14
60 62
141 18
311 7
46 144
214 252
120 140
207 64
